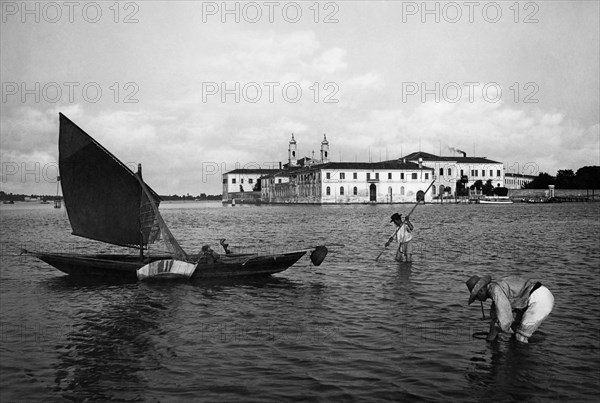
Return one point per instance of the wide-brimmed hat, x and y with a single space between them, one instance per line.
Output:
476 283
396 216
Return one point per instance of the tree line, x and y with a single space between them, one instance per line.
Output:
587 177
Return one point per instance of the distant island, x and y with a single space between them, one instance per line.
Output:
33 197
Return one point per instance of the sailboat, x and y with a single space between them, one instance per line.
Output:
107 202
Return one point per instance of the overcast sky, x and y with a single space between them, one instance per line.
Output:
189 92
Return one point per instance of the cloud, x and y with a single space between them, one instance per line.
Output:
516 137
330 61
264 56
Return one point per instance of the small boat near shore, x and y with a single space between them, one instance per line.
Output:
542 200
494 200
107 202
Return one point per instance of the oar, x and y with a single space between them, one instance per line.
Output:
408 215
319 253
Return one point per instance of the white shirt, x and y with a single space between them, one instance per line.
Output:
403 233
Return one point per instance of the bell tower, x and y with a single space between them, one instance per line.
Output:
324 150
292 153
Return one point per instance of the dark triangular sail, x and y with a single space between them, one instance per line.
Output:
103 196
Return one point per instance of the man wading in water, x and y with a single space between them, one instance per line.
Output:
403 235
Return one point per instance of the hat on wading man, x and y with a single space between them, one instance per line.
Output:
475 284
396 216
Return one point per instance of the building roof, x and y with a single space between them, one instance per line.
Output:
390 165
461 160
244 171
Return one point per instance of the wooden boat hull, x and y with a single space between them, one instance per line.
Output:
124 267
495 202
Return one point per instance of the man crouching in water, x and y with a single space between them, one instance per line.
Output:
532 301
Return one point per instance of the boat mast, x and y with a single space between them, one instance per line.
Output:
139 175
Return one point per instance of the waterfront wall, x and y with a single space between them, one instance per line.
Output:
593 194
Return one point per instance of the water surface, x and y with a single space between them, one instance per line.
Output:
351 329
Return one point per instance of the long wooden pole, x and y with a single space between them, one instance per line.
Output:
408 215
418 201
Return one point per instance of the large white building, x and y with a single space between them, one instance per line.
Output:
321 181
451 169
349 182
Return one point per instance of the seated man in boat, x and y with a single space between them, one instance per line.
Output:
531 301
207 255
225 246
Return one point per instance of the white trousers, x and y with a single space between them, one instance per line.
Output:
541 302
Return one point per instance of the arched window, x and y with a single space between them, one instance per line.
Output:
341 190
355 190
328 191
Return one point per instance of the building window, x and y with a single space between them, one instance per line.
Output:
224 181
279 181
491 173
498 173
242 180
328 175
355 190
377 176
477 172
389 175
250 181
355 175
341 190
402 176
233 180
450 172
441 172
328 191
426 175
368 176
401 190
462 173
414 175
342 175
433 190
